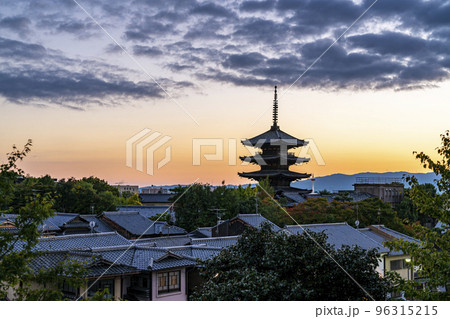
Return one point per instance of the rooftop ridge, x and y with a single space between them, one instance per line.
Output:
214 238
250 215
322 224
158 238
65 214
55 238
121 213
394 231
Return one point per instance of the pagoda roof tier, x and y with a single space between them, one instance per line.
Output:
290 159
274 136
275 173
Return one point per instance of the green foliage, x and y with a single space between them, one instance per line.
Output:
264 265
369 212
408 211
430 258
200 204
45 284
31 200
79 196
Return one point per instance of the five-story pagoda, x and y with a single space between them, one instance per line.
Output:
275 157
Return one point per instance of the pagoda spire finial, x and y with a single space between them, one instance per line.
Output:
275 110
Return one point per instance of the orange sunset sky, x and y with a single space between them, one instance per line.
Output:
367 96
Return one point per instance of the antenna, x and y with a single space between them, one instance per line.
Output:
275 110
313 180
218 213
92 225
357 216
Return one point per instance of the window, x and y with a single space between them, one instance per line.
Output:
101 285
398 264
68 289
169 281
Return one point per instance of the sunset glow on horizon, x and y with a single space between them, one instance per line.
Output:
367 104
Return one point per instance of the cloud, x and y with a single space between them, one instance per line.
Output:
17 24
59 80
397 45
146 51
211 9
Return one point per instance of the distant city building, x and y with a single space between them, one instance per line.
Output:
275 158
156 199
389 190
128 188
154 190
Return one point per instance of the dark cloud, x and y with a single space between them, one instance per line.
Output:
17 24
62 86
147 51
211 9
253 6
33 74
242 61
14 50
145 28
398 45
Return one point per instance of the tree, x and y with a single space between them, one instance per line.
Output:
369 211
430 258
265 265
17 249
408 211
200 205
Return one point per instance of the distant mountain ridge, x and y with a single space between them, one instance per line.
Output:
337 182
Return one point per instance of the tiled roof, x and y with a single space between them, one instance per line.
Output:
137 224
155 198
256 221
164 241
145 258
59 219
340 234
197 252
380 238
272 137
80 241
201 232
146 211
95 266
100 226
222 242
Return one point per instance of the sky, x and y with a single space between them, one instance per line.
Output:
366 82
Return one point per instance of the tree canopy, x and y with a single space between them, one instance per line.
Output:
369 212
431 258
200 205
31 200
265 265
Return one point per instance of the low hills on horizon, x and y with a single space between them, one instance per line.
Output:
339 182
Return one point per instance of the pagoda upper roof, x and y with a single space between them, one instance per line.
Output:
271 157
274 136
273 173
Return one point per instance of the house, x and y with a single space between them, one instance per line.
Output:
133 189
394 260
340 234
148 211
201 232
133 225
130 270
237 225
156 199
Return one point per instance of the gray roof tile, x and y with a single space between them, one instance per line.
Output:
340 234
256 220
